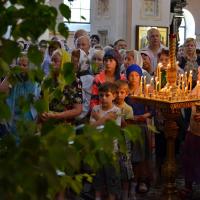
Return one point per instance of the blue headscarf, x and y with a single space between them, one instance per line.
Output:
133 68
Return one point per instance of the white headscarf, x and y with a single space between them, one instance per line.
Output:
84 62
138 58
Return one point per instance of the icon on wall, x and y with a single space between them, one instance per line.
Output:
141 36
150 9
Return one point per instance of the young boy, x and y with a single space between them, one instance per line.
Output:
122 93
125 159
106 179
106 111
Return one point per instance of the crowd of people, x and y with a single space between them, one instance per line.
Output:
106 79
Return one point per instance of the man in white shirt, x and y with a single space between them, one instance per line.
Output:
154 47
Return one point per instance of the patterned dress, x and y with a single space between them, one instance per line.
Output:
63 99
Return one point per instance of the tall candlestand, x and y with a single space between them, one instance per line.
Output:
169 168
169 100
171 112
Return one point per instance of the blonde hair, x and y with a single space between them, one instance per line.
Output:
99 53
122 84
130 52
149 32
136 56
190 40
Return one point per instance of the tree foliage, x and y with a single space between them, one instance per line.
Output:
42 164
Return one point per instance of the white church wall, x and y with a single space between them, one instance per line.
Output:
144 14
109 19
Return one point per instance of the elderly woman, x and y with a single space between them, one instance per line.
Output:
68 105
97 61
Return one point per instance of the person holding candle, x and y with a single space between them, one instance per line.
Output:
141 114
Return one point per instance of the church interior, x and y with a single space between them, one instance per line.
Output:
117 83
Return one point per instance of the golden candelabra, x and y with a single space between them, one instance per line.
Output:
178 87
176 94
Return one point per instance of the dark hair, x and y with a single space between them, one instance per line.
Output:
43 43
197 51
96 37
54 38
75 53
108 87
113 54
163 52
53 45
120 40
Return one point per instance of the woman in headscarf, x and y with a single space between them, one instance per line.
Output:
134 57
67 104
140 151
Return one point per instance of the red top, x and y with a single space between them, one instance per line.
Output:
99 80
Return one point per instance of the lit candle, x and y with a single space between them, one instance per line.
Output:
159 75
147 89
198 89
157 86
145 84
181 82
183 86
190 81
141 85
151 82
186 79
186 89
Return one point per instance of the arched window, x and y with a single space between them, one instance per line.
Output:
80 14
187 27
